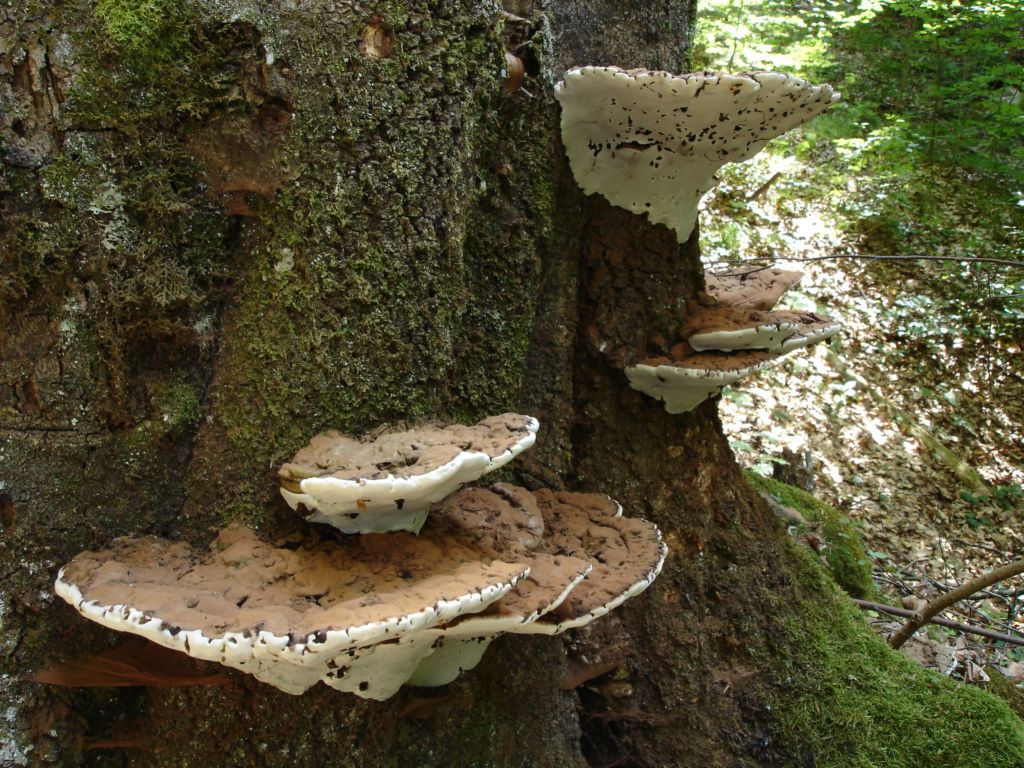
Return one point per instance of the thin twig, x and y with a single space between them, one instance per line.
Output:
942 602
764 187
884 257
965 628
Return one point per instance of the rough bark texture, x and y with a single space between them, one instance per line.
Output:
229 225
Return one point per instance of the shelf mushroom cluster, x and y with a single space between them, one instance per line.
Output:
729 340
651 142
369 613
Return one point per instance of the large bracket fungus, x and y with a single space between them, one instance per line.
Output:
386 481
371 613
290 617
589 560
651 142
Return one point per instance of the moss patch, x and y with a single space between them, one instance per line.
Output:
395 273
849 701
847 560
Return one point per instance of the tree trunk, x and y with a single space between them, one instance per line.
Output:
230 225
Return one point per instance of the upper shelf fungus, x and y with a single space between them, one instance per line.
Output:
386 481
651 142
757 288
370 613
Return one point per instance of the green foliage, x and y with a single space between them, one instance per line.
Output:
853 702
952 72
1003 496
848 562
923 155
940 81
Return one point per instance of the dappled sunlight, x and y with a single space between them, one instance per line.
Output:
938 367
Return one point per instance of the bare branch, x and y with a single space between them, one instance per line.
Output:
970 629
940 603
882 257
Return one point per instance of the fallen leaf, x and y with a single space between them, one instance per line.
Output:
135 661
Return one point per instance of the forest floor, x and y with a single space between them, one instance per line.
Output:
914 374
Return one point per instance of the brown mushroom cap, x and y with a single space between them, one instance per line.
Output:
250 604
750 288
505 522
627 553
371 613
583 536
386 480
724 343
406 452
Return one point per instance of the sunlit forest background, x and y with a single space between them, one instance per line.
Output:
904 204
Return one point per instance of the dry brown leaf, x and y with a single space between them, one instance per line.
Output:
135 661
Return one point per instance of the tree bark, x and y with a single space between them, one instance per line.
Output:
229 225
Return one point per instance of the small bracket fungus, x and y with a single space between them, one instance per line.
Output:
750 288
387 481
730 335
727 329
687 381
290 617
650 142
685 384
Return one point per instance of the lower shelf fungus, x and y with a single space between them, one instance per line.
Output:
287 616
603 559
369 614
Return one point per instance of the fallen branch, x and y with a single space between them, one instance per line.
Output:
764 187
942 602
969 629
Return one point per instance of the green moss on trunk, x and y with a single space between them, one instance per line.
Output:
848 562
847 700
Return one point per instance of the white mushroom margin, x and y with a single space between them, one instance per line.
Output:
651 142
397 502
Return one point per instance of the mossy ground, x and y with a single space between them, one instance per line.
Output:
847 700
847 559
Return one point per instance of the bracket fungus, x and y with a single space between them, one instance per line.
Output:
371 613
387 480
684 384
730 340
759 288
651 142
727 329
290 617
589 560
